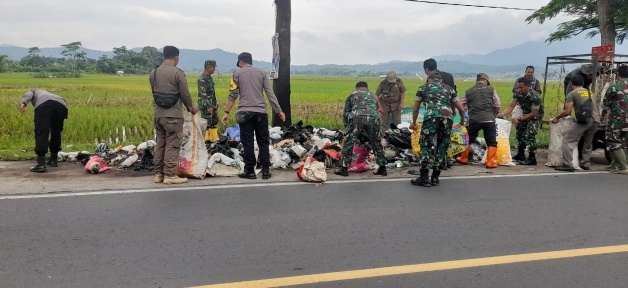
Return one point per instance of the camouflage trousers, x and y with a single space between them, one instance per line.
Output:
526 134
434 142
368 127
212 118
616 138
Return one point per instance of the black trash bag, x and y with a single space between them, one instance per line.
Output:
338 136
222 146
309 129
320 155
295 158
146 163
83 158
307 147
298 133
400 138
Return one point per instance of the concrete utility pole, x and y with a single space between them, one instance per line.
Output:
281 85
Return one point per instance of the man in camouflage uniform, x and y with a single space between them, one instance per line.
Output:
391 93
527 125
615 105
207 104
436 129
362 119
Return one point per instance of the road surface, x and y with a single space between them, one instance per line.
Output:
446 236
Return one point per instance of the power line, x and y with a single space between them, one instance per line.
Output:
471 5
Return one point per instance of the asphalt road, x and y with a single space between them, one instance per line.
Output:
196 237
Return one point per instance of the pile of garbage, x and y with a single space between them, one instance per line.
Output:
290 148
131 157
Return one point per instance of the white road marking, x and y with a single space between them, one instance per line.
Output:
275 184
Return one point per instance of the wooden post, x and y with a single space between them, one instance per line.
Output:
281 85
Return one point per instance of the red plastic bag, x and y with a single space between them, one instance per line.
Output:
358 167
362 152
96 165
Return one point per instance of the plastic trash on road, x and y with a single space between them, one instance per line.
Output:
503 156
96 165
312 171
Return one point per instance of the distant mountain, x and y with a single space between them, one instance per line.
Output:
531 53
190 60
503 63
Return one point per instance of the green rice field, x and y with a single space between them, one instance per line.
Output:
118 110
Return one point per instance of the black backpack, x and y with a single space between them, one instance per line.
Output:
584 114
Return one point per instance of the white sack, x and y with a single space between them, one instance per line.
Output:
193 155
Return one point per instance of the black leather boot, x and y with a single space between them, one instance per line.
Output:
52 162
342 171
531 161
248 174
41 165
435 174
423 180
521 156
266 173
381 171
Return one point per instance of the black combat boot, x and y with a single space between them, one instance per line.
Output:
435 174
342 171
381 171
531 161
423 180
266 173
52 162
41 165
521 156
248 174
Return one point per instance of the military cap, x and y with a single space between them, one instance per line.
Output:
210 63
434 75
391 77
483 76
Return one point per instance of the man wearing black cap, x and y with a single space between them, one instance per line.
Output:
249 83
586 72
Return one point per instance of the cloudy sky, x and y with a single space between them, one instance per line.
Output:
323 31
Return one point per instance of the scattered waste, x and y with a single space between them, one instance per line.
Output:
96 165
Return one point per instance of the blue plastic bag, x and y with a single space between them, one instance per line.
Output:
234 132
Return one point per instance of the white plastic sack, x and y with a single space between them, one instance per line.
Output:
129 149
145 145
221 165
503 156
129 161
193 156
275 159
557 133
313 171
517 112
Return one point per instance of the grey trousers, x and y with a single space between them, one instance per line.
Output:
389 108
571 139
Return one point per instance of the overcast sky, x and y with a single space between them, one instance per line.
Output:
323 31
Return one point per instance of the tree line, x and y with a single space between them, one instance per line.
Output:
72 62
